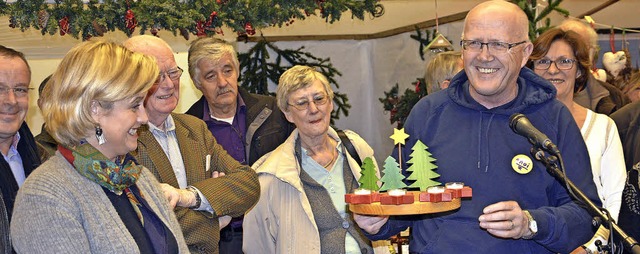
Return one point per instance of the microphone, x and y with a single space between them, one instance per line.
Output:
521 125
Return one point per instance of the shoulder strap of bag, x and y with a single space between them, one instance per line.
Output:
349 146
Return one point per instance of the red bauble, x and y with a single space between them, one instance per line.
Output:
64 25
200 29
213 15
249 29
418 87
130 21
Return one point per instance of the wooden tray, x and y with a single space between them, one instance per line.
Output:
408 209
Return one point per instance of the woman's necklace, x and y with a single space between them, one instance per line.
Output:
333 159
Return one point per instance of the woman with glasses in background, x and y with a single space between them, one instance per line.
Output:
304 180
562 58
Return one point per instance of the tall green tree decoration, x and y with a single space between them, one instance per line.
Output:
422 167
368 179
392 178
258 70
536 15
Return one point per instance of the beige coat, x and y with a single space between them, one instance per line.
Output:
282 220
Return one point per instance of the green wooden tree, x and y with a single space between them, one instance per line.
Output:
369 179
393 177
422 167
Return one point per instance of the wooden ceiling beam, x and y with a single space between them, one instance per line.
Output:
383 34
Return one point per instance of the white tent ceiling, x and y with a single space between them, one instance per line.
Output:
398 13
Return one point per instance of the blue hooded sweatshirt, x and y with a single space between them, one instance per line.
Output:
475 145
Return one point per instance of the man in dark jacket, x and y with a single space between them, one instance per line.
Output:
47 143
466 129
628 122
246 125
19 150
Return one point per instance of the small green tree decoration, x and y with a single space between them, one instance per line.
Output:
258 70
393 176
369 179
422 167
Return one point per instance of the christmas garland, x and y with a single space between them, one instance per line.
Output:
198 17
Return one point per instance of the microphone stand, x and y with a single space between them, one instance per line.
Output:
550 163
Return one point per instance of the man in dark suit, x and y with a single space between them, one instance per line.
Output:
19 150
200 177
246 125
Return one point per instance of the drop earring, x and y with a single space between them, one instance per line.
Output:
100 136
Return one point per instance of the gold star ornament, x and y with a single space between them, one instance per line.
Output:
399 136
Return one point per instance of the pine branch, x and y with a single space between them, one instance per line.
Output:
258 71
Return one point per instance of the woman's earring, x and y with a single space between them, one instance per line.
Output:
100 136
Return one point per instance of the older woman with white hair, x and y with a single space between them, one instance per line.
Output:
304 180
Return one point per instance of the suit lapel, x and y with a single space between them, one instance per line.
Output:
158 158
191 151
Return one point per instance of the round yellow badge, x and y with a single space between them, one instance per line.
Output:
522 164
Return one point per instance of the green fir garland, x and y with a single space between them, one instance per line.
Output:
197 17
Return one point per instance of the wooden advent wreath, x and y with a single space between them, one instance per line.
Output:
391 198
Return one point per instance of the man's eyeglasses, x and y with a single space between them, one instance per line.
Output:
19 92
303 104
174 75
561 64
493 46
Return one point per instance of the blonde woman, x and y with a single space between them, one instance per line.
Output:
92 196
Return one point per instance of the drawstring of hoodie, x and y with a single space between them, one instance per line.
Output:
486 137
479 138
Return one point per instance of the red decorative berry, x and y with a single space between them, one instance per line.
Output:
200 29
213 15
249 29
130 20
64 25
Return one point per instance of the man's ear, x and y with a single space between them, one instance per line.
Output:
526 53
444 84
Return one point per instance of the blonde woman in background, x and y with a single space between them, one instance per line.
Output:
441 69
